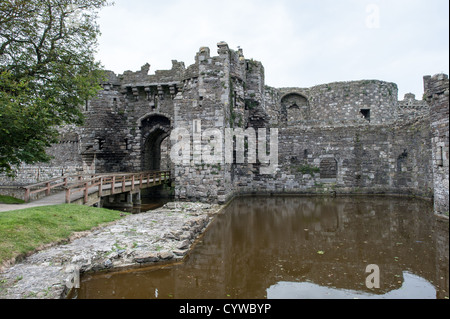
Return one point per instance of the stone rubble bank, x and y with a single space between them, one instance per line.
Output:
160 236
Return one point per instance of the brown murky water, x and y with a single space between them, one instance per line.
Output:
308 247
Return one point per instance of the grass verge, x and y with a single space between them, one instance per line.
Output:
10 200
26 230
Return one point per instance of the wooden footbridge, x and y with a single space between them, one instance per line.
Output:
90 189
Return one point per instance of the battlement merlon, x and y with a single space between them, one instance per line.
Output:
435 85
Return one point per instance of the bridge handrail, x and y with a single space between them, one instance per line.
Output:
82 179
49 185
112 179
107 176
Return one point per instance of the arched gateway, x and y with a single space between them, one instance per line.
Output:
155 146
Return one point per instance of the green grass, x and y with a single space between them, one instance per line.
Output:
23 231
10 200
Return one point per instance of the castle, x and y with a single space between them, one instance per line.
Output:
338 138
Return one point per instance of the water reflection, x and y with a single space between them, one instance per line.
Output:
260 242
414 287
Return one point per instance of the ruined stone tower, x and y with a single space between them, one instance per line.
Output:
437 92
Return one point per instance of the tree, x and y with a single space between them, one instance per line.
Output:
47 70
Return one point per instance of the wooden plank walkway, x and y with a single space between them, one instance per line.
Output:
88 190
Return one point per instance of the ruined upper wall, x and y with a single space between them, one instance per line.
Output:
339 103
334 104
142 77
410 108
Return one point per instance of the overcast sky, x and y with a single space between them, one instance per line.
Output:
301 43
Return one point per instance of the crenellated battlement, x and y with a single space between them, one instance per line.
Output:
340 103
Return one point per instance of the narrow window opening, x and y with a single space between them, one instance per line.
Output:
366 114
101 143
440 156
401 161
234 150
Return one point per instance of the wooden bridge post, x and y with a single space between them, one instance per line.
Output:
100 188
68 196
47 191
113 185
86 192
27 195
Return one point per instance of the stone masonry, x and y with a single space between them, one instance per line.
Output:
343 137
437 92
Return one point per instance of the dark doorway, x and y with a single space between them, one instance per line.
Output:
328 168
155 130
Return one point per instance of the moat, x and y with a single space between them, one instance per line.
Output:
300 247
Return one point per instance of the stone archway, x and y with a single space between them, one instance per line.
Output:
295 107
155 132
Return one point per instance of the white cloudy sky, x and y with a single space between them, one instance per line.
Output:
301 43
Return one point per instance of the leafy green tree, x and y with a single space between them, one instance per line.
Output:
47 71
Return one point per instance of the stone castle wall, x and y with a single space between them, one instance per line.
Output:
437 94
343 137
341 103
66 160
376 159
